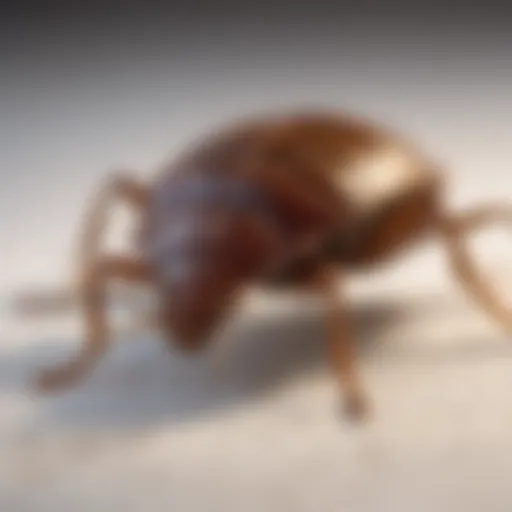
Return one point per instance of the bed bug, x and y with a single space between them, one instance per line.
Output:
297 199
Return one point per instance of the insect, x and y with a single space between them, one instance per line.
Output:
298 199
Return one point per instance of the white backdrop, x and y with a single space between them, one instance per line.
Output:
165 433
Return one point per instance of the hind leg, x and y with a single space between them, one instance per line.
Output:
456 228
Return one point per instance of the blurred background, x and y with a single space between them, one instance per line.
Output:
88 87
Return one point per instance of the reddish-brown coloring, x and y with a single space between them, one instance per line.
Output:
286 200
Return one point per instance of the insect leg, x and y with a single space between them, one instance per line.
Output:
340 346
456 229
93 299
121 186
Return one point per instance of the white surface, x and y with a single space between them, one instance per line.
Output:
155 431
151 433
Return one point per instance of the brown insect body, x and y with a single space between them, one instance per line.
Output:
306 166
289 201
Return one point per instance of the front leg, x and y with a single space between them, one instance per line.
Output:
93 296
120 186
95 273
340 346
